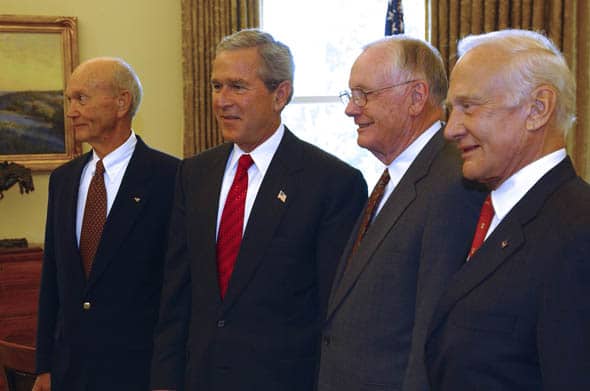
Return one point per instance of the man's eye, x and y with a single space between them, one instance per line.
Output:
83 99
469 108
216 86
238 87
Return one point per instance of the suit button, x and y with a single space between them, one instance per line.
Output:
327 341
220 323
86 305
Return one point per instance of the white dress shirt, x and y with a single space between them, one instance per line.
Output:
400 165
505 197
115 165
262 156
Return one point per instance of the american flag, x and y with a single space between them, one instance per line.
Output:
394 21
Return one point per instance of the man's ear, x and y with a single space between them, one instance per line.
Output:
542 107
419 95
281 95
123 103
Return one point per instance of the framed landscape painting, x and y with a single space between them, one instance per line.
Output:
38 55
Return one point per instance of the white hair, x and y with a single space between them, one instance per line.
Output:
534 60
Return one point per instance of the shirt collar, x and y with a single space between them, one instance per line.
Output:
400 164
117 157
505 197
262 154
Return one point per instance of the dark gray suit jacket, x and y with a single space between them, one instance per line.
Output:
108 344
517 315
264 335
380 306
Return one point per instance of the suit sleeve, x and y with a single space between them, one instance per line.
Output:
48 294
168 362
563 333
344 202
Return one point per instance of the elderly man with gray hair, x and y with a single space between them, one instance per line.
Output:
106 235
415 227
517 315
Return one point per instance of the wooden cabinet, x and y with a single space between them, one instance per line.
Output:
20 274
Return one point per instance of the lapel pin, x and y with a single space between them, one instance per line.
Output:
504 244
282 196
137 199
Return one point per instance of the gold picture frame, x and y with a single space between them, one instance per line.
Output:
39 53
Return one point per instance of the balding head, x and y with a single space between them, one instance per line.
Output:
114 74
103 96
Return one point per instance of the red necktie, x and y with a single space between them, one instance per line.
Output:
232 224
483 224
371 208
95 215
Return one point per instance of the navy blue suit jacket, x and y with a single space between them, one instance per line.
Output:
517 315
264 334
109 344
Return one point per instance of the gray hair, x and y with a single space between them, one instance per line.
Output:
534 60
125 78
416 58
277 60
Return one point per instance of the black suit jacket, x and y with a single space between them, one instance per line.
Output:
264 334
517 315
381 303
108 344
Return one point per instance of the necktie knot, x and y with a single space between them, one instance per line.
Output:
245 162
99 169
382 182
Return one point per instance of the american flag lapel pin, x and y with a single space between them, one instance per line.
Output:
137 199
282 196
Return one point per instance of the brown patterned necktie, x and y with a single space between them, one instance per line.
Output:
371 208
95 216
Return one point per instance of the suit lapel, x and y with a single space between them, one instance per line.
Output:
401 198
69 217
131 199
506 240
266 214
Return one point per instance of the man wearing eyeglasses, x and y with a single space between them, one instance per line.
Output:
414 232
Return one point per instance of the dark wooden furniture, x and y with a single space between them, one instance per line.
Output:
20 273
18 363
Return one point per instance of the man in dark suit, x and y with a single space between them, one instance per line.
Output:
517 315
392 272
99 298
251 323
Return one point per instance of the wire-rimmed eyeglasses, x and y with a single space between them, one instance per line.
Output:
359 97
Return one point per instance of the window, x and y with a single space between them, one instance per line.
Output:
325 37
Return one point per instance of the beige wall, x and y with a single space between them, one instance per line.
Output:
147 34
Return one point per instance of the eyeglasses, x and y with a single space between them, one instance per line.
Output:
359 97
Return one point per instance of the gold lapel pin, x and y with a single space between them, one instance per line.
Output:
282 196
137 199
504 244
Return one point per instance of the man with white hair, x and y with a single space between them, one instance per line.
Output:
106 231
516 316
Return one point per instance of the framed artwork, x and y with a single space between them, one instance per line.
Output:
38 55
